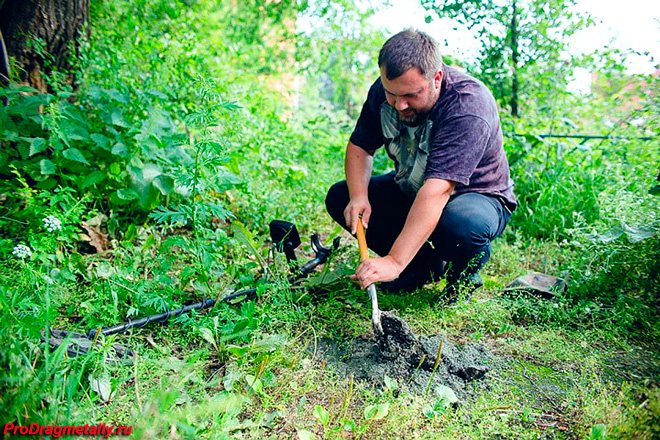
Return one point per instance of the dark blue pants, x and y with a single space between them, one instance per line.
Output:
462 238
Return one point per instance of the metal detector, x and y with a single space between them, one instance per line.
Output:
285 239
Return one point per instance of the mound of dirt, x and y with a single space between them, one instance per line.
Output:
399 342
412 365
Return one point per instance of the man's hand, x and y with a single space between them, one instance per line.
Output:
356 208
377 269
358 163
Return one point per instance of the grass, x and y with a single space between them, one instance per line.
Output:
552 380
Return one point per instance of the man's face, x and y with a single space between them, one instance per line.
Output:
411 94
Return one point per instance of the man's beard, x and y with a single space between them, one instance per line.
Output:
412 118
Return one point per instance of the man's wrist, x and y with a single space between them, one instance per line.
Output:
397 263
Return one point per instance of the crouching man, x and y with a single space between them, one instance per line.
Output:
450 193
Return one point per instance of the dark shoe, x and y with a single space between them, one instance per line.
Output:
412 279
463 286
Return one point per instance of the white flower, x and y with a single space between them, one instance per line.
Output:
52 223
22 251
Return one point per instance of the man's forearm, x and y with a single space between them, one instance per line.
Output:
422 220
358 164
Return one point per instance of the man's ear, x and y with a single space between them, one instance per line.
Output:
437 79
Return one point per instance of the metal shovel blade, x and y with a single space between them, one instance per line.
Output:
375 311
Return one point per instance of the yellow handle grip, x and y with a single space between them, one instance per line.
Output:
362 240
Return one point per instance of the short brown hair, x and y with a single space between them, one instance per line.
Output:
407 49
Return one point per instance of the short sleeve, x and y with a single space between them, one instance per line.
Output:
457 148
368 132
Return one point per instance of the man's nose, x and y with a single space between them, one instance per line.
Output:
400 104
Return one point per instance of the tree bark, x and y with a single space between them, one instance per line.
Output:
42 36
4 63
514 60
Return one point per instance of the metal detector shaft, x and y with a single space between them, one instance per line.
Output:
205 304
321 257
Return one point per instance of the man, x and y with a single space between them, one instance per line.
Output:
450 194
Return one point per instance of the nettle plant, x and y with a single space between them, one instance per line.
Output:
204 183
94 145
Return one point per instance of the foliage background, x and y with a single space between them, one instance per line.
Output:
198 122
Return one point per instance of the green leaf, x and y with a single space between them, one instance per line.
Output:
119 149
101 386
76 133
150 242
598 432
348 425
237 351
446 394
115 168
390 383
118 96
303 434
131 233
165 184
49 183
322 415
207 335
23 149
244 236
255 384
47 167
75 155
118 119
377 412
126 194
101 141
428 411
38 145
93 178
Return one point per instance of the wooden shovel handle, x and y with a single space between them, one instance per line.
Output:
362 240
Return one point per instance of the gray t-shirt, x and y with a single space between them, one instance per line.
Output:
460 139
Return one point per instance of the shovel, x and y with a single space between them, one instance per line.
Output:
371 290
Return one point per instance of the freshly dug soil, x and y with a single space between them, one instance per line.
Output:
399 341
401 355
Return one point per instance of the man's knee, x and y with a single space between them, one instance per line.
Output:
468 223
336 201
464 232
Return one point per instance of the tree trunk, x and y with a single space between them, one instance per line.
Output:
514 61
42 36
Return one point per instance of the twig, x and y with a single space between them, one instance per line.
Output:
348 395
499 408
123 286
438 355
13 220
421 361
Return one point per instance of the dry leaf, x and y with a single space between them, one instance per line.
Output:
97 239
